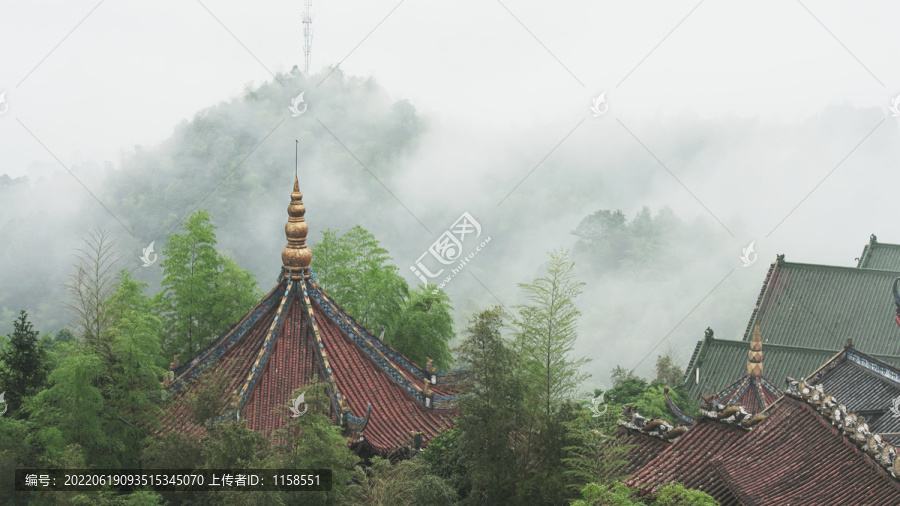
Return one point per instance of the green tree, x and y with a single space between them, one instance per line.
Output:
170 450
619 494
491 427
91 284
72 411
425 327
443 457
99 404
649 398
667 371
24 365
545 335
546 331
14 454
233 445
203 293
355 270
131 354
406 483
592 455
607 241
312 441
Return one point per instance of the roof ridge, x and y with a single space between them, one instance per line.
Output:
338 306
697 351
762 293
841 267
866 252
244 390
834 415
205 355
742 343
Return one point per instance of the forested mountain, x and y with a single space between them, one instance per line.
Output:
231 159
363 158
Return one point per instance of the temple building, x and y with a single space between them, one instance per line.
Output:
807 313
826 439
753 392
296 333
867 387
830 437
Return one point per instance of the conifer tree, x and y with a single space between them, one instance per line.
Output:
491 428
24 365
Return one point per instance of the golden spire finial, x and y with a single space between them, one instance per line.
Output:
296 255
754 357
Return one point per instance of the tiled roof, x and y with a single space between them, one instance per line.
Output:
642 449
755 393
796 457
819 306
722 361
394 412
865 385
880 256
298 332
806 313
687 462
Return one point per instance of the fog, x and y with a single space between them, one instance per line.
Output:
766 123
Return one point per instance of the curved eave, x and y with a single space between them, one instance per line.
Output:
400 369
191 369
396 412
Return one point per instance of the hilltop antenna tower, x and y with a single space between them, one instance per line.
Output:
307 35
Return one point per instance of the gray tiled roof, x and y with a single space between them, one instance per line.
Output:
820 306
880 256
864 384
722 361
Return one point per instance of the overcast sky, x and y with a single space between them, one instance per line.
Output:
799 151
91 78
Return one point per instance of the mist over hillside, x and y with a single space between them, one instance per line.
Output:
709 186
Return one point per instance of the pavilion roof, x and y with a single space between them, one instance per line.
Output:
295 334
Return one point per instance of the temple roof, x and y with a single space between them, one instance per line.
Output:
753 391
796 457
641 449
808 311
881 256
806 451
867 386
720 361
687 462
296 333
820 306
